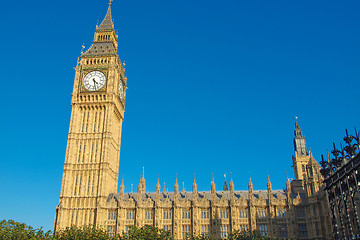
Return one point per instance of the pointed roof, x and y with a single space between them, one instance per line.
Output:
226 187
176 185
288 184
194 183
298 132
101 46
231 183
183 189
164 191
107 24
299 141
269 183
158 184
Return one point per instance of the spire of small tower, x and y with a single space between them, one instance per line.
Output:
288 184
158 187
122 187
194 186
143 182
231 185
164 190
183 189
107 23
269 186
176 186
213 189
250 185
226 187
299 141
251 190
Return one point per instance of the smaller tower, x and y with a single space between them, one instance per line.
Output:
142 184
158 188
176 190
288 187
269 189
122 189
232 191
306 169
299 141
213 189
226 187
250 187
194 187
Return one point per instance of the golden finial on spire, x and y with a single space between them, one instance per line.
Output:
82 49
110 2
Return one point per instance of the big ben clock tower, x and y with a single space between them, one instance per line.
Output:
93 149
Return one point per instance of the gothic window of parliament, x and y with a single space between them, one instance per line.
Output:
130 214
205 230
283 231
148 215
281 213
204 214
224 214
167 214
185 231
261 213
186 214
263 229
243 213
303 233
224 231
244 227
167 228
111 215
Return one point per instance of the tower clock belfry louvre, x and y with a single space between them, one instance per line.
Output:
89 185
93 149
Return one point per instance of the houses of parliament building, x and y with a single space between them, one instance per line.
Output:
90 178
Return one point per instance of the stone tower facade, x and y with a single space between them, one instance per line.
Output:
307 171
93 149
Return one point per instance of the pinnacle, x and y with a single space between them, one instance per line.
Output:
107 23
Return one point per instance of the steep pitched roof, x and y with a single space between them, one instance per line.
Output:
107 24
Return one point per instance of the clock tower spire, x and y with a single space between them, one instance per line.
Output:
91 165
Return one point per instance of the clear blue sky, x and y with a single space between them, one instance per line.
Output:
214 87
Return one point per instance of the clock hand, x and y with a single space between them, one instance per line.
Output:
95 83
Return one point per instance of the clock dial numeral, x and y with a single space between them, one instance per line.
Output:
94 80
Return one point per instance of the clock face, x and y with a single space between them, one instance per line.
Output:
94 80
121 90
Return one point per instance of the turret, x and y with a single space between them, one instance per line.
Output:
176 190
288 188
195 193
158 188
213 190
299 141
232 192
269 189
122 189
194 186
142 186
251 190
226 187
